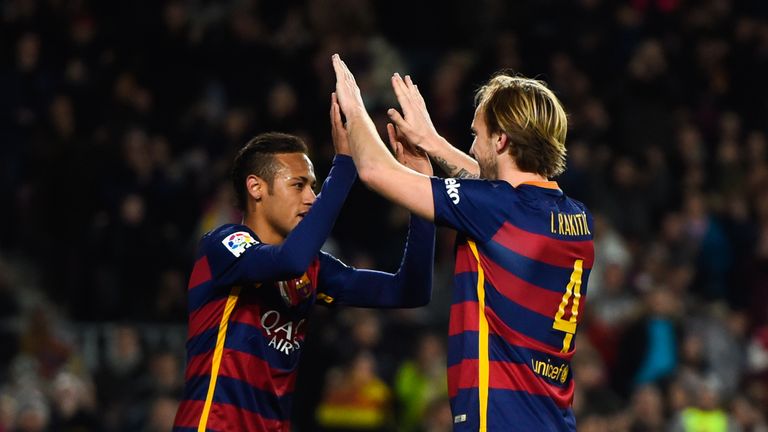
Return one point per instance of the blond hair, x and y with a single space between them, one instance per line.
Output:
530 114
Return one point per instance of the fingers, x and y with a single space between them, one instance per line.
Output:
397 147
338 69
409 83
392 136
414 95
418 98
397 119
348 73
330 116
345 81
408 95
343 68
342 72
402 93
336 122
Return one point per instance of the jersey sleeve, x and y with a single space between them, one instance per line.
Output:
411 286
235 254
470 206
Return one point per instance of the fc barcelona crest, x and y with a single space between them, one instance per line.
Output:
295 291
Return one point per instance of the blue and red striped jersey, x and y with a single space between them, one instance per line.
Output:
245 337
523 257
248 305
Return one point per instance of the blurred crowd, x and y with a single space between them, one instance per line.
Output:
118 122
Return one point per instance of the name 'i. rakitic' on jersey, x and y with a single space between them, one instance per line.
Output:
569 224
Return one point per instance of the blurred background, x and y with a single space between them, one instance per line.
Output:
119 120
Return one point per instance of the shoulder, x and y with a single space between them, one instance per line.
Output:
578 206
234 237
493 188
475 188
475 183
228 230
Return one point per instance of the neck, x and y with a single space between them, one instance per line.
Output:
512 175
260 226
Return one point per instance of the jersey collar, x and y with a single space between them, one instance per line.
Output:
542 184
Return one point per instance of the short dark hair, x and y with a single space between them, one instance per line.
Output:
257 158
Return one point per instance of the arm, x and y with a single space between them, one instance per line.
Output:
260 262
416 126
454 162
295 254
411 286
257 262
376 166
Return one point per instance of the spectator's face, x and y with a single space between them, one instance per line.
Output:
291 195
483 148
162 414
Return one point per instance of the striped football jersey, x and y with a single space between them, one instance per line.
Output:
523 257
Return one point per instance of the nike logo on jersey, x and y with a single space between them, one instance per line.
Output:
452 187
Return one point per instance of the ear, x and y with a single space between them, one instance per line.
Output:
255 186
502 142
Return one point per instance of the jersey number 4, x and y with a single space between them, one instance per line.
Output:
572 291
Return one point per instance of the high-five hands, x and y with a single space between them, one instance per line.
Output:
338 131
347 92
406 153
348 99
415 123
375 165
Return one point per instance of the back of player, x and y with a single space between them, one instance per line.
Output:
523 258
524 251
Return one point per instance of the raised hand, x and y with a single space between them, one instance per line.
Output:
338 131
347 92
406 153
414 123
416 126
375 165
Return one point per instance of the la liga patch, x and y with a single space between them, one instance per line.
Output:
238 242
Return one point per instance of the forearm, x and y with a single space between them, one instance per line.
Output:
454 162
381 172
414 277
368 150
410 287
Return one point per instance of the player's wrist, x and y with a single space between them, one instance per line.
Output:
432 144
355 115
342 159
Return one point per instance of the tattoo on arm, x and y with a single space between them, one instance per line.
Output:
463 173
447 167
453 170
